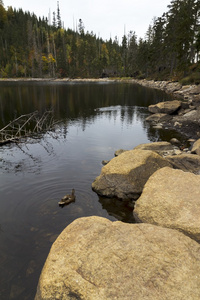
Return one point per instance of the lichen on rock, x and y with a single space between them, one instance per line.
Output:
171 198
94 258
125 175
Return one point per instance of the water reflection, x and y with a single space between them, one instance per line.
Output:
164 134
74 101
120 210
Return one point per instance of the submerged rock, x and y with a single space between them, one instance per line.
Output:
157 118
94 258
125 175
171 198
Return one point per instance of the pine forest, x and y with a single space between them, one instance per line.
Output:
30 47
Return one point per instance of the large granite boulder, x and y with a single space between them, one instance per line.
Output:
168 107
125 175
94 258
162 148
171 198
186 162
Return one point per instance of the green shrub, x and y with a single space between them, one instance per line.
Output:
193 78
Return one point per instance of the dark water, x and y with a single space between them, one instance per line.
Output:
95 120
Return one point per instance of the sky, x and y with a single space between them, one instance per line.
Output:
106 18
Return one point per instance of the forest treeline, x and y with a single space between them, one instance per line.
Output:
31 47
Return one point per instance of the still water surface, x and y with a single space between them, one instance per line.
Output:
95 119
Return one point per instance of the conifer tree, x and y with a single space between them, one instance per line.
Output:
59 22
132 66
181 24
81 27
54 20
3 15
124 51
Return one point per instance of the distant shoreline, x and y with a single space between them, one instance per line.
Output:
60 79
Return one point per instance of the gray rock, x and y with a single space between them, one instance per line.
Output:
185 105
125 175
191 114
186 162
191 141
162 148
168 107
175 142
158 126
158 118
196 90
171 199
96 259
177 124
196 147
173 87
176 152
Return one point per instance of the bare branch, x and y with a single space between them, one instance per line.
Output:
30 125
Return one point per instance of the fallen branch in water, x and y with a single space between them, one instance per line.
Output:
27 126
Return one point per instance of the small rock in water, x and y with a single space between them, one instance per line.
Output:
105 162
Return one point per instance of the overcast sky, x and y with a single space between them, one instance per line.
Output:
106 18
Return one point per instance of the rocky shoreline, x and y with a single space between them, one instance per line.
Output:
184 118
187 92
157 258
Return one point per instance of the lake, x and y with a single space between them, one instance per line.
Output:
94 120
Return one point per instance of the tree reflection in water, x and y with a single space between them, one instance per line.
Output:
122 210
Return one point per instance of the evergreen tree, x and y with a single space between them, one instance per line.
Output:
59 22
124 52
81 27
182 20
3 15
54 20
157 47
132 66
